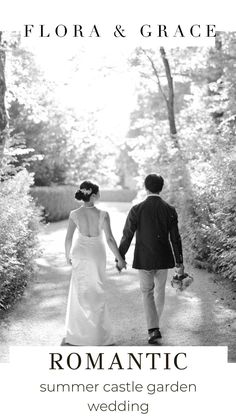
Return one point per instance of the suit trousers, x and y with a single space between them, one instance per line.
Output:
152 285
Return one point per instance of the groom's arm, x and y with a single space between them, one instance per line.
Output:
175 238
128 232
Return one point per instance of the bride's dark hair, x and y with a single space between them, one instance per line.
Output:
85 191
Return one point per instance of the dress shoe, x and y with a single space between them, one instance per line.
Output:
153 336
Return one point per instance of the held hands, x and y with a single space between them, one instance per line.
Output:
68 260
121 264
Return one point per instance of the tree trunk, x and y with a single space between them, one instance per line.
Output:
3 113
170 98
179 179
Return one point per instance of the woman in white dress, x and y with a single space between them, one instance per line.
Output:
87 319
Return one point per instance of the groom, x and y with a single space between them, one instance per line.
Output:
158 247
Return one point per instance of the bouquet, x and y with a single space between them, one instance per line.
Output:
181 282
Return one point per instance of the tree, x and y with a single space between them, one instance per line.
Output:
64 142
177 175
19 217
169 97
3 113
36 123
201 166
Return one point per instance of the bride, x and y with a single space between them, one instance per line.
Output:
87 320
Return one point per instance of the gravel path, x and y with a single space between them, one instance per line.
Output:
205 314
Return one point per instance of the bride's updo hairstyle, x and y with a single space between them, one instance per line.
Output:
86 190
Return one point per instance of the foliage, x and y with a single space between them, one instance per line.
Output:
65 144
62 145
35 118
18 243
200 171
87 153
210 234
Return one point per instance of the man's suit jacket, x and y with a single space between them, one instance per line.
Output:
158 243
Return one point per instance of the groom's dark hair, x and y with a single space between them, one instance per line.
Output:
154 183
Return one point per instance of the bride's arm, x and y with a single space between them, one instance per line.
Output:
111 241
68 239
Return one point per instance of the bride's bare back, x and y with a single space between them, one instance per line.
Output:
88 221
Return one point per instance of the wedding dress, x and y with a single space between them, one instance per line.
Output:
87 321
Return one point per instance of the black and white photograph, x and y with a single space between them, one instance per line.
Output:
117 191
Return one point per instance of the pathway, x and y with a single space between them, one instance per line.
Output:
205 314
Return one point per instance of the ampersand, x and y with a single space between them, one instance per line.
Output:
119 32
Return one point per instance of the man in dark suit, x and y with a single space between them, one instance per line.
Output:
158 247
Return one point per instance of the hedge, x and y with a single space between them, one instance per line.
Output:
57 201
19 223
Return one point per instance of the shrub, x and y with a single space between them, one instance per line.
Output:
195 227
209 231
58 201
46 172
222 235
18 244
